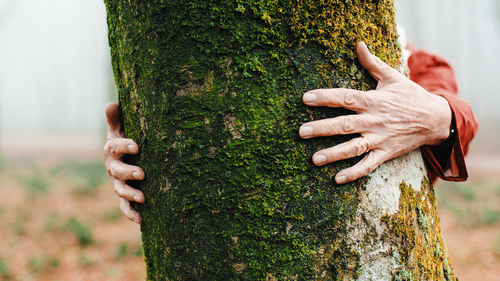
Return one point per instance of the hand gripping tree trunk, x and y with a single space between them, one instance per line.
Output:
211 91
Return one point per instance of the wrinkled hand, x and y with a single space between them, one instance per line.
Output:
114 149
396 118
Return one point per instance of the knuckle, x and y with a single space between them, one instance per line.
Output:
115 149
371 167
348 124
130 215
363 170
369 97
117 172
112 172
105 149
366 170
349 99
344 155
118 189
114 168
379 162
123 208
111 147
365 99
359 147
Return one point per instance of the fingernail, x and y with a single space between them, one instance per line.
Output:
309 98
136 175
305 131
131 147
137 198
319 159
340 179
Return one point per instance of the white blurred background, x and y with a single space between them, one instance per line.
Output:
467 33
56 77
55 72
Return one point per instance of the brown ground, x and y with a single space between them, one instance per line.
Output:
59 220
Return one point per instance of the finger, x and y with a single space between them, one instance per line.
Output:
122 171
130 213
375 66
120 146
367 165
341 125
340 97
113 117
127 192
346 150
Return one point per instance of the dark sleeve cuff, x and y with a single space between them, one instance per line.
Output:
447 159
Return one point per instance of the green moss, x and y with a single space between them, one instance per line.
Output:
211 91
416 229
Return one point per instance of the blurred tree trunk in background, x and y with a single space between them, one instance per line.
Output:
211 91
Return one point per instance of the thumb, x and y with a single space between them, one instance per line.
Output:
113 117
375 66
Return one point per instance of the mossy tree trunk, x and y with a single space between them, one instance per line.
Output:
211 91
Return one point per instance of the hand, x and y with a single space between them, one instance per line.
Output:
114 149
396 118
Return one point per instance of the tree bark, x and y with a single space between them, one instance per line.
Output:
211 91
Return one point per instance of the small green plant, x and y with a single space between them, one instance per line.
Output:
112 215
490 216
457 211
85 260
496 246
35 264
54 262
35 185
138 251
18 228
467 192
86 177
4 270
496 188
112 272
51 221
18 225
121 251
82 232
42 264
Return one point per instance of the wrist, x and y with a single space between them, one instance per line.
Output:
444 124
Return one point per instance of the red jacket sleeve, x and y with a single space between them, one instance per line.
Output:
435 75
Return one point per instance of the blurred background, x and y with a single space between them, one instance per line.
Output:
59 218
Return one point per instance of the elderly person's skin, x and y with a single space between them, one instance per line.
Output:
396 118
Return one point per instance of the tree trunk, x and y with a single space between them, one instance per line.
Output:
211 91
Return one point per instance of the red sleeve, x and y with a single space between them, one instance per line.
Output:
435 75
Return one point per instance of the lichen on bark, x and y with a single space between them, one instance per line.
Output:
211 91
416 229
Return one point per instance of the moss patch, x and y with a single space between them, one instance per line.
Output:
416 229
